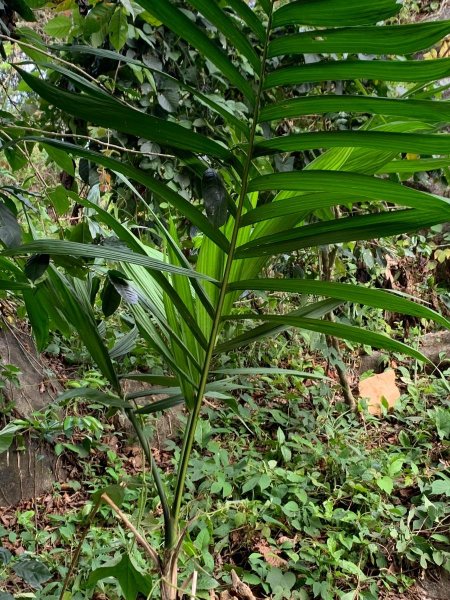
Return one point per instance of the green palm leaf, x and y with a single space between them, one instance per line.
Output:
109 112
63 248
393 39
348 229
352 293
179 23
377 140
429 110
347 332
387 70
334 13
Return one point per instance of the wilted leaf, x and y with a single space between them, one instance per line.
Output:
36 266
10 234
377 387
110 299
126 291
214 197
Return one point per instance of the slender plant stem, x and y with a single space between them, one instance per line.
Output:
194 415
76 556
169 529
139 538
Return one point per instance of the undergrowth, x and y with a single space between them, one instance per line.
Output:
298 496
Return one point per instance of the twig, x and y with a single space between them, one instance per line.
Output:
194 585
108 145
139 538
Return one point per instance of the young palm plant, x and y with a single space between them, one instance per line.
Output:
253 212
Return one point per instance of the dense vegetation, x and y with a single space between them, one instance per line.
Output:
198 200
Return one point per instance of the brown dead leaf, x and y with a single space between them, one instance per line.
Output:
270 554
379 386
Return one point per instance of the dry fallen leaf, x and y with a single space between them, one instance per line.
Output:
379 386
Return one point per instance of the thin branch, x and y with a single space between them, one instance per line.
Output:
107 145
139 538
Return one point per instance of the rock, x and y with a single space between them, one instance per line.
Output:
432 345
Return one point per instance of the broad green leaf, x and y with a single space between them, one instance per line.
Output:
125 344
22 8
59 26
32 571
162 191
132 581
92 395
13 285
61 158
180 24
441 487
427 110
81 317
109 112
392 39
386 70
386 484
116 492
7 435
157 380
317 310
5 558
352 184
38 316
378 140
269 371
161 405
110 299
334 13
220 109
118 28
415 166
60 200
249 16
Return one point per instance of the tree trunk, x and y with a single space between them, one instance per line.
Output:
28 468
